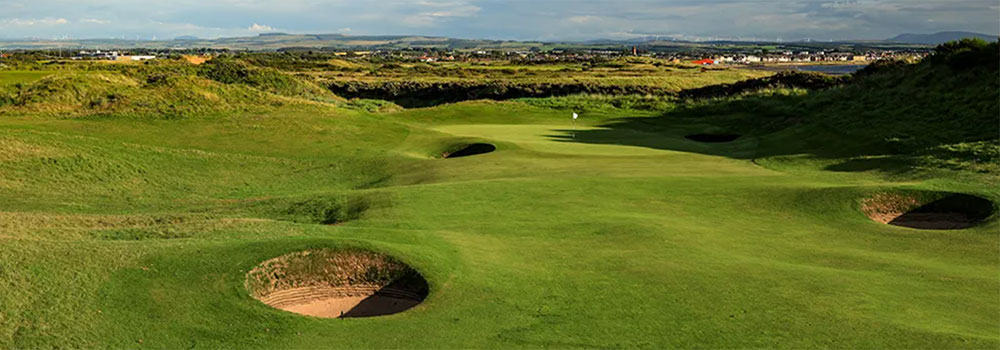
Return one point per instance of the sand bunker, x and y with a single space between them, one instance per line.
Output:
470 150
712 138
337 283
928 210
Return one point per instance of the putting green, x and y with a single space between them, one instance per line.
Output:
133 234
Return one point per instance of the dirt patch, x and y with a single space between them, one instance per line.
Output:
928 210
470 150
196 59
712 138
337 284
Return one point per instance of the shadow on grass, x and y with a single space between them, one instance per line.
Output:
776 125
954 211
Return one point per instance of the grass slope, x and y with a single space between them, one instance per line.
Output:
119 232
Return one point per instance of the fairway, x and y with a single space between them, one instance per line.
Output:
20 77
549 241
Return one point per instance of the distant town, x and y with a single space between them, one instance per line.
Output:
728 56
756 56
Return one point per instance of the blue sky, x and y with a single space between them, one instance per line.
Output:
499 19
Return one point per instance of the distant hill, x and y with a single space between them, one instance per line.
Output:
275 41
279 41
938 38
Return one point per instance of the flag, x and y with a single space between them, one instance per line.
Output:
575 116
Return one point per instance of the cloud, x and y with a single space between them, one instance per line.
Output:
431 13
582 19
33 22
260 28
95 21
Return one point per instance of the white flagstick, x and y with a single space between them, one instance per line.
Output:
574 124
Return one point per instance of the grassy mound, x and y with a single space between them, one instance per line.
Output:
940 112
232 71
949 98
115 94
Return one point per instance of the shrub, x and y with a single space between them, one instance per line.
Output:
232 71
967 53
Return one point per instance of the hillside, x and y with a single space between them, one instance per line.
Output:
894 116
939 37
167 90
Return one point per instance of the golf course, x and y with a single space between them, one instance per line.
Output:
180 206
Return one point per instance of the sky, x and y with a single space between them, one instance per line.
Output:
499 19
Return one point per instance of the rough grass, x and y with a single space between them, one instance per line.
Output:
112 94
324 267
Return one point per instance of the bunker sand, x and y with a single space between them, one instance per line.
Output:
337 302
947 212
332 284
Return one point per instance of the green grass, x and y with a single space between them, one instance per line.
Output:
614 232
21 77
546 242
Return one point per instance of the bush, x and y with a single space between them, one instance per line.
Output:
422 94
782 80
373 106
232 71
967 53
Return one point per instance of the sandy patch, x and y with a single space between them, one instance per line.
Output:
334 284
936 212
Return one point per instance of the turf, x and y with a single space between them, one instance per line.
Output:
121 228
20 77
546 242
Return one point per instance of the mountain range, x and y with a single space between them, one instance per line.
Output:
939 37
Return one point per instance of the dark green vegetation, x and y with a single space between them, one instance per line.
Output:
781 80
422 94
891 117
939 37
133 221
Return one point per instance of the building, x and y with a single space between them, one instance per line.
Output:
137 58
100 55
704 62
